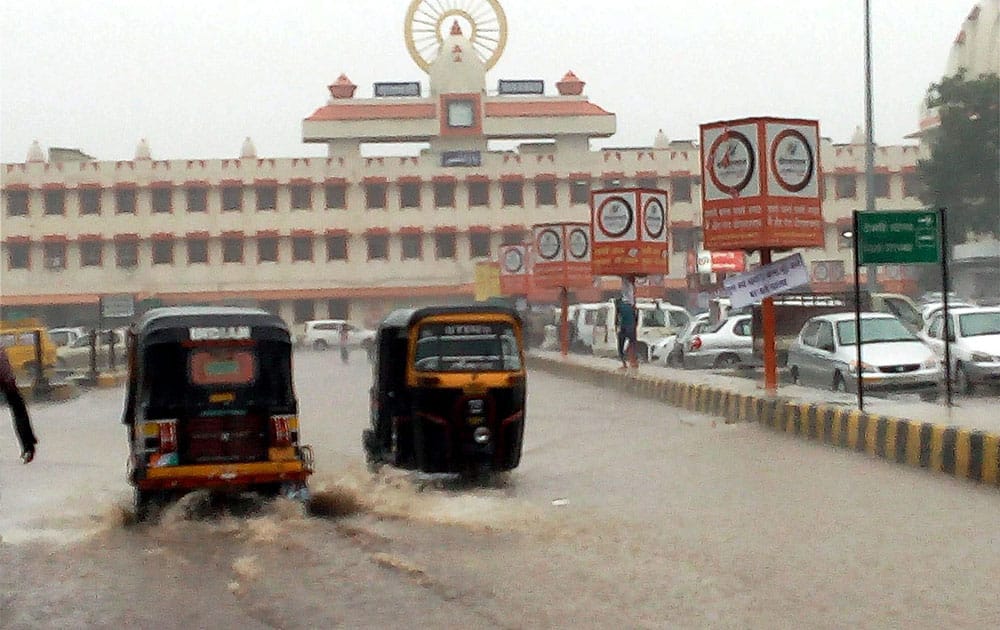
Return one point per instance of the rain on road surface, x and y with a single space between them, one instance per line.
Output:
624 514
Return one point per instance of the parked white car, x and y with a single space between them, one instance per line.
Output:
66 336
975 345
76 356
669 351
322 334
892 357
657 321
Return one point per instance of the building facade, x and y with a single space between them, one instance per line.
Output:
357 233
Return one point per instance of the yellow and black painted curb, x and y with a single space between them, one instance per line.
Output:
957 451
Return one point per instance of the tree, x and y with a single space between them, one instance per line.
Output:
963 172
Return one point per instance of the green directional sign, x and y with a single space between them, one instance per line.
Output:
898 237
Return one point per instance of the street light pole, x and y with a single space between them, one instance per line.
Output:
872 283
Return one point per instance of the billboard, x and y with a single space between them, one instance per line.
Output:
761 184
628 227
561 255
514 271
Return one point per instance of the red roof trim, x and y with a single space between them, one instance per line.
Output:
380 111
199 235
536 109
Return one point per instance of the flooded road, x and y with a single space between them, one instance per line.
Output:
623 514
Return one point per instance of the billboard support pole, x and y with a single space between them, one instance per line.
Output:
769 324
945 288
857 310
564 321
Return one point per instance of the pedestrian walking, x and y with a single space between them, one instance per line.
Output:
18 409
345 350
625 321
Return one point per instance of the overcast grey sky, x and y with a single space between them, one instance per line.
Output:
196 77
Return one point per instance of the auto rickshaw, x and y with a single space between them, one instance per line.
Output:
449 391
210 404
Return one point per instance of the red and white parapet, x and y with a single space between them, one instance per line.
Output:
628 228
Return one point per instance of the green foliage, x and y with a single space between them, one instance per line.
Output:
963 172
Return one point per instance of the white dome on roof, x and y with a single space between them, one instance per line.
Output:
977 46
248 150
976 50
661 141
142 151
35 153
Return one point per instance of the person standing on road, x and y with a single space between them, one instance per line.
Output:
345 351
18 409
625 321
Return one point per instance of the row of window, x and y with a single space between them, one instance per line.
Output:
234 249
265 196
231 197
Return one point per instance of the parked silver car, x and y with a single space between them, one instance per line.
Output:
892 358
728 345
975 345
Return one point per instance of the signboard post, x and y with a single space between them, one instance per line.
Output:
761 192
902 237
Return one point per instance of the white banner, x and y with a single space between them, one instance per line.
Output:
778 277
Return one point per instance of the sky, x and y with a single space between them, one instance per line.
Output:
196 77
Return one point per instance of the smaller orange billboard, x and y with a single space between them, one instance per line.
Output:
561 255
628 229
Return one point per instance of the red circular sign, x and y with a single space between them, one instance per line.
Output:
731 162
615 216
792 160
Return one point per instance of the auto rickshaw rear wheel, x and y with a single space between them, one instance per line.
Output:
147 504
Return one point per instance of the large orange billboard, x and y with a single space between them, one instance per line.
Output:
761 184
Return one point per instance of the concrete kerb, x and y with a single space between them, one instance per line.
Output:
957 451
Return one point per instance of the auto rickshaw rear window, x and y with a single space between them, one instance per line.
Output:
223 366
489 347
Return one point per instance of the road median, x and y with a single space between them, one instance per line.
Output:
963 452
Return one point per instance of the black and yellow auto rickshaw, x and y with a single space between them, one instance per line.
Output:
210 404
449 390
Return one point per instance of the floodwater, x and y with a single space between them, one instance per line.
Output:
624 513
